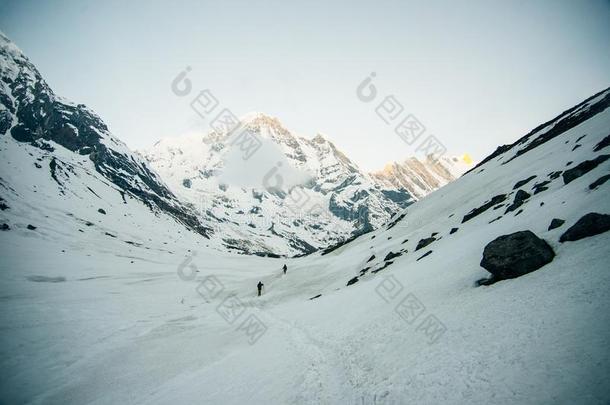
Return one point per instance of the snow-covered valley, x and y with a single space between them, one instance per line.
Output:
114 290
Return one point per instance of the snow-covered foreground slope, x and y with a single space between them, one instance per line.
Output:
88 318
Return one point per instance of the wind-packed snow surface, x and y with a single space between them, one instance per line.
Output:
107 300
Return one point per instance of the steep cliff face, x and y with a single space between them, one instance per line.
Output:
31 113
421 177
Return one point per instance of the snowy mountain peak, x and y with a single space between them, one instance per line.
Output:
421 177
73 142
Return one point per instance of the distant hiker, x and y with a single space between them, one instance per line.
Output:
285 268
260 286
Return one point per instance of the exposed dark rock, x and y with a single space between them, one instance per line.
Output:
494 201
589 225
599 182
433 234
566 121
520 198
542 186
391 255
560 124
404 241
4 227
267 254
486 281
556 223
424 242
569 163
516 254
519 212
495 219
453 230
499 150
429 252
350 211
109 234
316 296
523 182
554 175
371 258
580 138
401 196
582 168
602 144
576 147
363 271
352 281
101 211
93 192
31 227
386 264
187 183
541 203
396 220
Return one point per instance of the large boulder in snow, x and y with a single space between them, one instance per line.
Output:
514 255
589 225
583 168
424 242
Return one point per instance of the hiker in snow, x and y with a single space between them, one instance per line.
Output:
285 268
260 286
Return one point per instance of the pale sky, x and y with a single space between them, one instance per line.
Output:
476 73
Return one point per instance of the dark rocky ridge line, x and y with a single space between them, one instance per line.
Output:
562 123
80 130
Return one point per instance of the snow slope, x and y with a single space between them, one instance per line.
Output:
92 319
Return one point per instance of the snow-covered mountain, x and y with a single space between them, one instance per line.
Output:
398 315
205 184
419 177
64 152
324 197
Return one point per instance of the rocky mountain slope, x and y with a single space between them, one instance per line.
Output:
66 144
421 177
324 198
206 184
